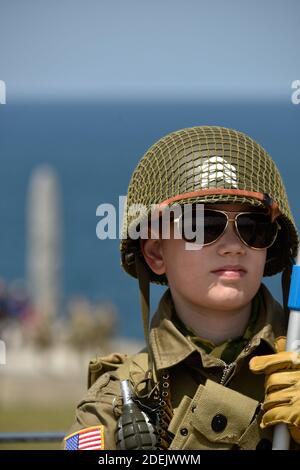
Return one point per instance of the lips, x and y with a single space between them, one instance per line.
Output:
230 272
235 268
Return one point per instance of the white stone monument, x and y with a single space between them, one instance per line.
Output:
44 250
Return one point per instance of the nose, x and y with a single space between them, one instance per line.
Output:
230 241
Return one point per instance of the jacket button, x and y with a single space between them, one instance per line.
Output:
264 444
219 423
184 431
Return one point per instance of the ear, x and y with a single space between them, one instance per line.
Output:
153 254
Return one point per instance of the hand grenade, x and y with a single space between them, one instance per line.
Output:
135 430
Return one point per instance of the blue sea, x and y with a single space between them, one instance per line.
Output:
94 148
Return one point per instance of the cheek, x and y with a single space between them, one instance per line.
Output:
184 267
259 261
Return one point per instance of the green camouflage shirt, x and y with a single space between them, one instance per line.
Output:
230 349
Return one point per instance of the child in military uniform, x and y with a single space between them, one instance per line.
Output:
217 332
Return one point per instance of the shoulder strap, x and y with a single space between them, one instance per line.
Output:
125 366
101 365
135 367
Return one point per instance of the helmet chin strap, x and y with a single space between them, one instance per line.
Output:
144 286
285 284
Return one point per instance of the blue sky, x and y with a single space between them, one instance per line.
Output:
159 48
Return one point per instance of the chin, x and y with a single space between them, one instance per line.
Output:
229 297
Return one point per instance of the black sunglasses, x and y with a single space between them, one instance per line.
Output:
255 229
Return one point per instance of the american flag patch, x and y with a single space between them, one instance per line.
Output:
86 439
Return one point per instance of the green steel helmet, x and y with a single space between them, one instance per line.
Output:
208 164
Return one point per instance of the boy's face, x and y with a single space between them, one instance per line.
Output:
195 277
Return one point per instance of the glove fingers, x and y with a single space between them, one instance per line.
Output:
282 386
278 398
275 362
273 416
281 380
280 343
273 419
283 414
295 432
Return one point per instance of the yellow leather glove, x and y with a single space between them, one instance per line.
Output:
282 387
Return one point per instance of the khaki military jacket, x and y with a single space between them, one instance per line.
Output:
215 405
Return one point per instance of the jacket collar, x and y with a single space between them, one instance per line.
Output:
171 347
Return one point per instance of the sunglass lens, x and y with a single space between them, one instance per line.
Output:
214 225
256 229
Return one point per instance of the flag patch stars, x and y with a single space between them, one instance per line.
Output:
86 439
